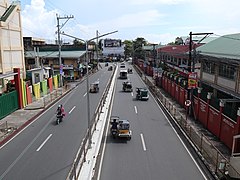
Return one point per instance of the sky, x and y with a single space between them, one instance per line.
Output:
157 21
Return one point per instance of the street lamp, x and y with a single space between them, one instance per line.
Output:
87 79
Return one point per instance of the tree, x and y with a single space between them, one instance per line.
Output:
77 42
138 44
128 48
179 41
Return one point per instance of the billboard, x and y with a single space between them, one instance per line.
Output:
112 43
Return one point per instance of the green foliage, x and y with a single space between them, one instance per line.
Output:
77 42
138 44
128 48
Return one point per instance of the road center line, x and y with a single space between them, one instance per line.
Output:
85 94
72 109
143 142
44 142
135 107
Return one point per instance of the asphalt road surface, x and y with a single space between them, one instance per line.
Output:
45 150
155 151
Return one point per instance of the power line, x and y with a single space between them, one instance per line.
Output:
75 20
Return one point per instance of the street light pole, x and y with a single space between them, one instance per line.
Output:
88 99
87 79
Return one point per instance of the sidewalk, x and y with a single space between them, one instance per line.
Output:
16 121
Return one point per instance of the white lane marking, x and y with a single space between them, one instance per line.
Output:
29 145
135 107
189 153
85 94
72 109
44 142
143 142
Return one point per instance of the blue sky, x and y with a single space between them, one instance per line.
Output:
158 21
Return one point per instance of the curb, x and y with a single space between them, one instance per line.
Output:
10 136
14 133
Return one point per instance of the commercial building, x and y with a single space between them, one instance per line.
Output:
11 46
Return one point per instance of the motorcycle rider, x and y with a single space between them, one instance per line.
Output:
114 124
60 112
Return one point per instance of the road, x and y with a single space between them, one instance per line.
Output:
45 150
155 150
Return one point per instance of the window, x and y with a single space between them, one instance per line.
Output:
1 84
56 61
31 61
227 71
179 61
175 60
169 58
208 67
45 61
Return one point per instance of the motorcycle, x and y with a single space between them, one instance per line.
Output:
58 119
114 132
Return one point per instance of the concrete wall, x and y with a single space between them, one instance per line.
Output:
11 46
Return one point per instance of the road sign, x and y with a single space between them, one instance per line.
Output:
187 103
192 80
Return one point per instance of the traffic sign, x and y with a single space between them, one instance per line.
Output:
187 103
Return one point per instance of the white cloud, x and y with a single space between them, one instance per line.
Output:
168 2
37 21
162 20
159 38
140 19
125 23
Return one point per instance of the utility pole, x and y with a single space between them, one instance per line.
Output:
191 64
59 43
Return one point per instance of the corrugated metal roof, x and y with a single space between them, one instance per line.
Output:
227 46
54 54
198 38
150 47
176 49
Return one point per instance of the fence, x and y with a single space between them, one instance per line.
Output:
8 103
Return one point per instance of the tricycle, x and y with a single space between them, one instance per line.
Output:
127 86
120 128
142 94
94 88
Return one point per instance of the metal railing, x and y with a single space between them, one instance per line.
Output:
82 152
